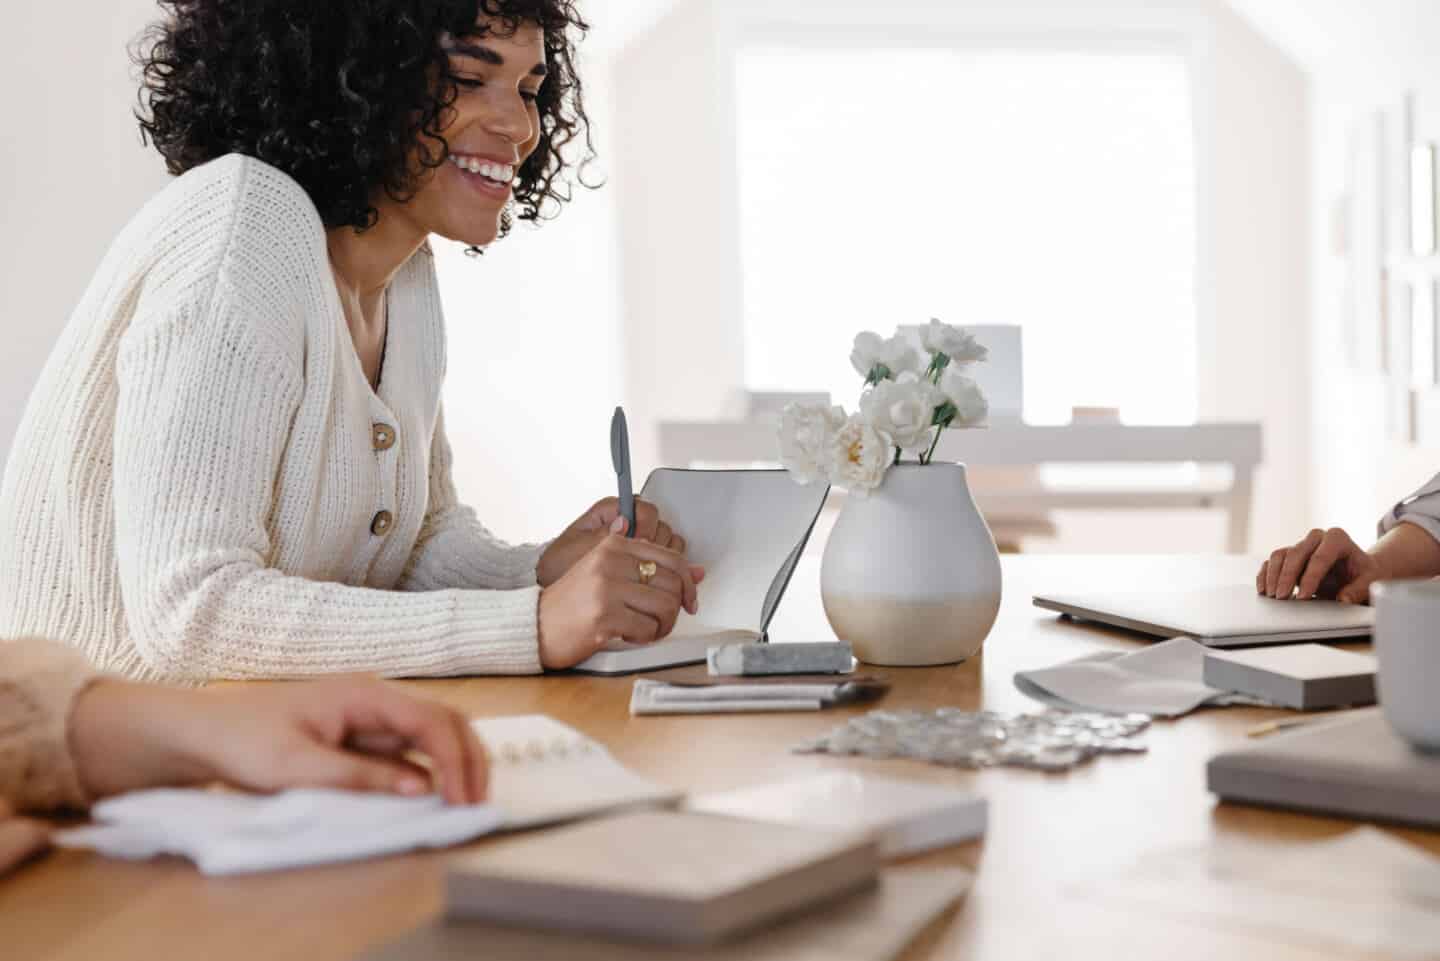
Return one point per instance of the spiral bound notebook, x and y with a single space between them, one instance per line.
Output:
748 528
543 772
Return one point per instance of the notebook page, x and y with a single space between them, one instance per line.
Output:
742 526
543 771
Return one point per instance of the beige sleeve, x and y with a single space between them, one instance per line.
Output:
38 685
204 409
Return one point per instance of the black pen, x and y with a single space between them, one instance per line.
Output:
620 455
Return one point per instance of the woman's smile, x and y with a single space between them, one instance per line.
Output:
489 176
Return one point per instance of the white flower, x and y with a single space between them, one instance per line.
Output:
965 396
954 343
878 359
859 456
904 409
807 432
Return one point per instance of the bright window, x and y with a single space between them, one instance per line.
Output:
1051 190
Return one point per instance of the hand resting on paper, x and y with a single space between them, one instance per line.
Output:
601 599
1330 565
594 526
352 733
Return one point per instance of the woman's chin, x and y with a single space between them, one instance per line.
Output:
471 236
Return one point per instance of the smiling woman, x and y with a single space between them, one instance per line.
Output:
234 463
344 97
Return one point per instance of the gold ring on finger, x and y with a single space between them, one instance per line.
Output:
647 571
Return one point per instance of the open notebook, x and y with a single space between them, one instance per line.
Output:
543 771
748 528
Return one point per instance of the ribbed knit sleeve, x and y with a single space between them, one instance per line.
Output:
38 684
454 549
207 395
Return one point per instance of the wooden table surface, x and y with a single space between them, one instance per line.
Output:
1050 835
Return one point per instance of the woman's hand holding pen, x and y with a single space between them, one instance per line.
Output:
625 588
594 526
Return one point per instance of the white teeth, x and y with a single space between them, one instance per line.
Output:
500 173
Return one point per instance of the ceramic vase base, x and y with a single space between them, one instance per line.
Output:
894 632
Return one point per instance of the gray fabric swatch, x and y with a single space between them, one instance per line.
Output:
1162 680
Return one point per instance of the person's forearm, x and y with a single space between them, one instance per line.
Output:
125 737
1407 550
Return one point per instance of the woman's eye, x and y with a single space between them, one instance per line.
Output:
470 83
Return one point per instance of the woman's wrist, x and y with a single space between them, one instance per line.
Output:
125 737
1406 550
547 568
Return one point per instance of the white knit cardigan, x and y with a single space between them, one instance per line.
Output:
192 490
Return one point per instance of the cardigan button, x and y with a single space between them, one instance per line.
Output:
381 524
382 436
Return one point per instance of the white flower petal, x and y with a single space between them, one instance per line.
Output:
807 432
859 456
904 409
865 353
960 346
965 394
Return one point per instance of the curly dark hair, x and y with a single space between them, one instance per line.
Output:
347 96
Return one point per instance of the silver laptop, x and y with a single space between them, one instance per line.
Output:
1233 616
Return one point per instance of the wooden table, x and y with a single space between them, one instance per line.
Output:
1047 834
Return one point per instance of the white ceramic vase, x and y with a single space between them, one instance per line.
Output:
910 575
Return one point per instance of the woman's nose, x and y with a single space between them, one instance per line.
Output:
510 120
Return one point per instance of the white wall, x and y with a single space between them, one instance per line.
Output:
1363 56
676 175
72 172
1258 258
1361 469
676 182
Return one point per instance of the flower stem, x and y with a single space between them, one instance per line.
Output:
937 366
930 454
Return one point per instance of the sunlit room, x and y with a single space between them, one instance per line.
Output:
721 479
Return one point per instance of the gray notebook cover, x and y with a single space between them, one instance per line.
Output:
1307 677
1353 766
874 925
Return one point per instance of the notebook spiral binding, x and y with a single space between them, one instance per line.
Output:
538 750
